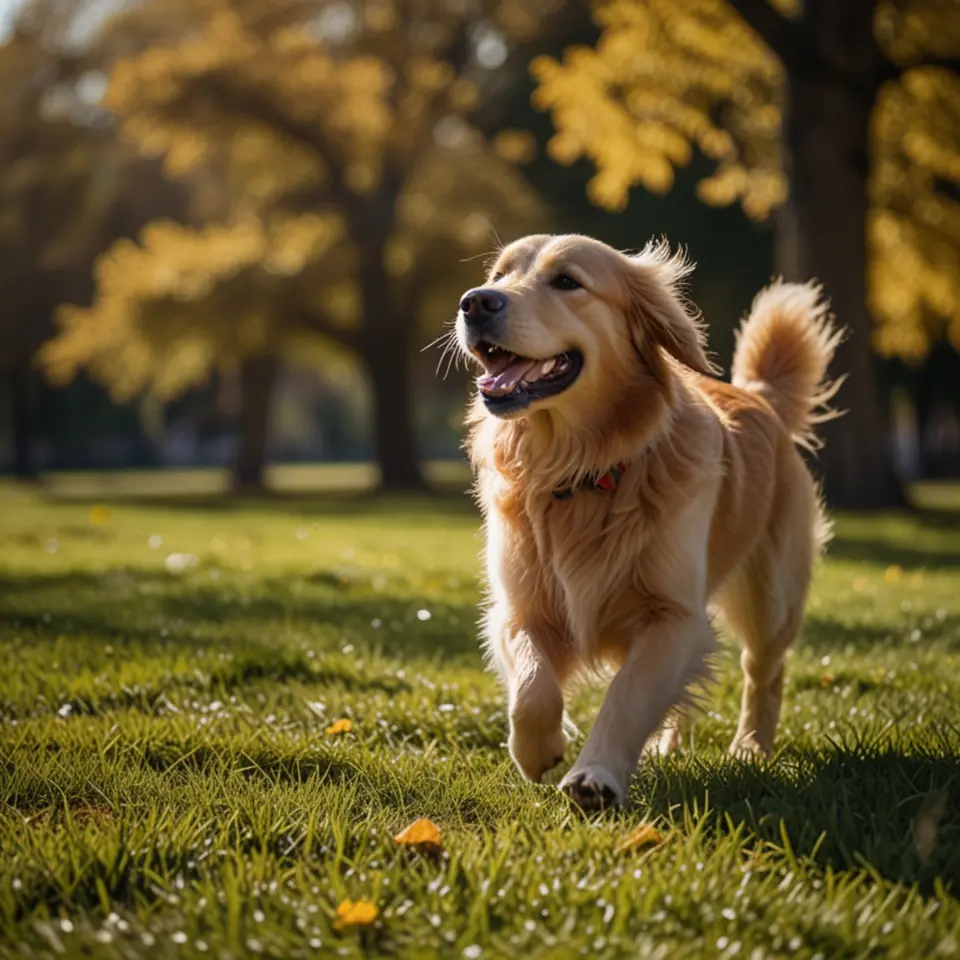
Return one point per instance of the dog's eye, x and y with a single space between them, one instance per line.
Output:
563 281
497 277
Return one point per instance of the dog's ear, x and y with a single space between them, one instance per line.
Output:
658 316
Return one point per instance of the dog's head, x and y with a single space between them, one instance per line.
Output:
563 322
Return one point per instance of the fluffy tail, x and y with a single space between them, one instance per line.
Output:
783 350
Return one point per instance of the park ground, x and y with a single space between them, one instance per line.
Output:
177 779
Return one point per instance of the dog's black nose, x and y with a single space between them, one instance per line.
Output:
479 305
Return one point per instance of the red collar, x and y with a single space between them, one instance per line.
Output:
604 483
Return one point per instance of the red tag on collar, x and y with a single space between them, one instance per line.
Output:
605 483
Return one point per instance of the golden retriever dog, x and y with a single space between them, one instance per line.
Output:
625 489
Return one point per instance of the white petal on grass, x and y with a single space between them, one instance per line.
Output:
424 615
180 562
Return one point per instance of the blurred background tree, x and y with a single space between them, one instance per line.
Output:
230 226
844 117
338 153
67 187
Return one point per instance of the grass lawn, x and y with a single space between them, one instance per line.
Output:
169 787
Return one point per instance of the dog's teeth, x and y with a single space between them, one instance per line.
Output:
547 367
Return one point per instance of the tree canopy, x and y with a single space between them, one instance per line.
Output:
666 79
342 156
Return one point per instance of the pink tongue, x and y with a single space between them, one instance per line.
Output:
499 384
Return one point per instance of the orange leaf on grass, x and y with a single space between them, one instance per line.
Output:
341 726
644 836
421 833
355 913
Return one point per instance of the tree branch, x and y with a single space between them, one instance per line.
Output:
253 105
894 71
781 36
316 321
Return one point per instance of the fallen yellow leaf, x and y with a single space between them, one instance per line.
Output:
99 516
893 574
644 836
341 726
421 833
355 913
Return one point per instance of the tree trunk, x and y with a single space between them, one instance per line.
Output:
258 380
387 359
826 155
384 346
23 415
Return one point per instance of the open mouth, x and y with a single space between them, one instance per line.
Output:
512 382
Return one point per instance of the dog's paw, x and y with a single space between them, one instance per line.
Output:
593 788
667 741
535 754
749 748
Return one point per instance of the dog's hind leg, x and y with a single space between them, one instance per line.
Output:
669 738
764 604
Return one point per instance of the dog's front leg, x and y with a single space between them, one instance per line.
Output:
535 698
662 662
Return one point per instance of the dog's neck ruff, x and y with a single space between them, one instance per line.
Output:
599 483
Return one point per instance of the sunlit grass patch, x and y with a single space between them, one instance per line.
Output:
213 755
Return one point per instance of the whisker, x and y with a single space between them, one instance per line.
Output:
449 350
454 358
433 343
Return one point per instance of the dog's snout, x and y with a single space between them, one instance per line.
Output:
479 304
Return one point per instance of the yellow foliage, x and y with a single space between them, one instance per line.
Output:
666 78
515 146
183 299
302 133
914 227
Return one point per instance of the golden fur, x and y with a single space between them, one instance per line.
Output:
716 506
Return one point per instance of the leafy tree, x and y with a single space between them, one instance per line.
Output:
346 176
68 187
844 117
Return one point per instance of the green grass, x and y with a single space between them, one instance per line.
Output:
167 787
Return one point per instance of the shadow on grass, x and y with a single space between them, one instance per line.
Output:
827 635
454 500
887 554
896 814
152 606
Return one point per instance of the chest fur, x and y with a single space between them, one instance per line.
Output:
576 569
